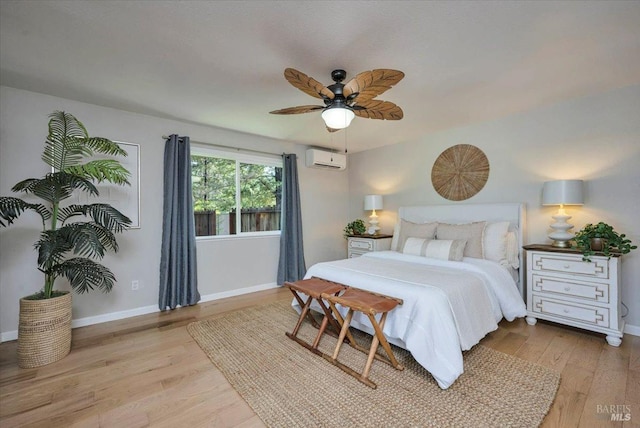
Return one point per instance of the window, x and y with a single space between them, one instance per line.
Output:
235 193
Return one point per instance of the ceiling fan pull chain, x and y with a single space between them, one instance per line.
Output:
345 140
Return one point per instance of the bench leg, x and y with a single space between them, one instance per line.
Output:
329 314
383 340
323 326
343 333
341 321
372 352
303 313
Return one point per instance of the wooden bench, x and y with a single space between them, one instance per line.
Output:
370 304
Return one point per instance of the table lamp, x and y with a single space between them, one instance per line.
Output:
562 192
373 202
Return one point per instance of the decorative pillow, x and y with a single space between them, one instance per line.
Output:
435 248
494 243
470 232
417 230
396 236
512 251
415 246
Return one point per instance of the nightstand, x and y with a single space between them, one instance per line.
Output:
564 289
358 245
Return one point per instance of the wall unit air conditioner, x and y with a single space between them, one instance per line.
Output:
322 159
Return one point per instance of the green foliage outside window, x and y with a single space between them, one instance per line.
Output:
259 185
214 184
215 199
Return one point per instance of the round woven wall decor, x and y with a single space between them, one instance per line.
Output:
460 172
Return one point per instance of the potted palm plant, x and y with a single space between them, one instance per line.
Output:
73 236
601 237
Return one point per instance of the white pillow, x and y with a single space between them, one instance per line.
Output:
470 232
417 230
415 246
494 242
396 236
512 250
440 249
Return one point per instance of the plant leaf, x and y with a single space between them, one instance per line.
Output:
85 275
68 142
51 249
11 208
63 146
104 146
55 186
88 239
102 170
102 214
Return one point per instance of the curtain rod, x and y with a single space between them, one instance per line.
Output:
164 137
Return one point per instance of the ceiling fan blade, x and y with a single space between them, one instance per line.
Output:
376 109
332 129
370 84
308 85
297 110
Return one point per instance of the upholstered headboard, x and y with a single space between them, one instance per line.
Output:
514 213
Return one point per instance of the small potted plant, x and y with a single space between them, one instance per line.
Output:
356 227
603 238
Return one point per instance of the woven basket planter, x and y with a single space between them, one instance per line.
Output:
44 331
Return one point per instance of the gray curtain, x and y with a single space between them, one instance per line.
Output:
291 266
178 274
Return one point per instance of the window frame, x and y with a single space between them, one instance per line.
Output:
238 157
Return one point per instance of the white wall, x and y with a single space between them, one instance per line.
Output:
596 139
224 265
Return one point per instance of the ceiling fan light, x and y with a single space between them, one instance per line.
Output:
338 117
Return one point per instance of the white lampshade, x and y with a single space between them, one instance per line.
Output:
338 117
562 192
373 202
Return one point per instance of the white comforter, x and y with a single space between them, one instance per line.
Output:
448 306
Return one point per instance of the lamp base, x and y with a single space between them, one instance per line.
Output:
373 228
560 234
561 244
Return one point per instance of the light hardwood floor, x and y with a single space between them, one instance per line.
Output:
148 371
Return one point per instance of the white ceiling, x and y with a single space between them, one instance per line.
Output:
221 63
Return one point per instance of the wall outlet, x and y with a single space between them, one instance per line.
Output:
135 285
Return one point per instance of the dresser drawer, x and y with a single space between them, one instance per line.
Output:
572 311
570 264
361 244
581 290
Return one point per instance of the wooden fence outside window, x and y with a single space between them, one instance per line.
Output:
252 220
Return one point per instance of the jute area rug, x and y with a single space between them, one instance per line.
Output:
288 386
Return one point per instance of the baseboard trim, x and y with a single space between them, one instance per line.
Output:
144 310
633 330
238 292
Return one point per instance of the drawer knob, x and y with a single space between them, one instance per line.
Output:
567 288
566 311
567 266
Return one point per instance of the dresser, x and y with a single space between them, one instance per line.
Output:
564 289
358 245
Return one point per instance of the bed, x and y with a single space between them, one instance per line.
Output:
453 295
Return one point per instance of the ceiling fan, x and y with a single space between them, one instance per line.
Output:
342 102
